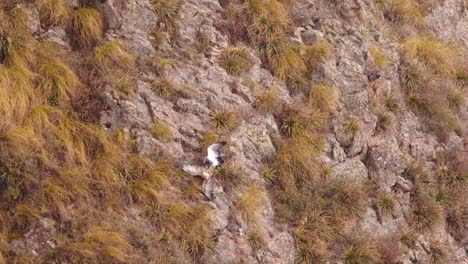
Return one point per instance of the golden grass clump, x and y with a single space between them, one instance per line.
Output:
437 56
378 57
58 81
268 101
236 60
99 244
161 131
426 213
359 250
324 98
111 54
53 12
224 119
249 203
86 27
315 54
167 10
163 87
386 204
404 12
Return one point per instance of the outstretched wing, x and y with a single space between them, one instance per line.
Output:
193 170
214 150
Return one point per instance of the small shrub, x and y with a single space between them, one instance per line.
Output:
86 27
161 131
111 54
224 119
384 122
52 12
386 203
163 87
167 10
236 60
378 57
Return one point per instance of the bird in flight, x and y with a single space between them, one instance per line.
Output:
214 158
214 155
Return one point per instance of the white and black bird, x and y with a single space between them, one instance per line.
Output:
214 156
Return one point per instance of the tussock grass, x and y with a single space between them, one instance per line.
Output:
161 131
384 122
426 214
99 244
167 11
112 54
324 98
229 175
58 81
315 54
391 103
53 12
249 203
163 87
57 166
86 27
438 56
437 252
386 203
224 119
404 12
268 101
360 250
378 57
236 60
409 239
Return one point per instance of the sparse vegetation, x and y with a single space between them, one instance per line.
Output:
236 60
386 204
315 54
268 102
403 12
167 10
86 27
391 103
161 131
437 252
378 57
163 87
384 122
249 203
324 98
224 119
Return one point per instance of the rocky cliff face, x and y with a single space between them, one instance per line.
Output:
184 55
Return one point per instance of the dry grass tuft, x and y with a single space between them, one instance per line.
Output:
167 11
323 98
53 12
161 131
224 119
236 60
163 87
86 27
439 57
268 101
112 54
315 54
404 12
386 203
249 203
378 57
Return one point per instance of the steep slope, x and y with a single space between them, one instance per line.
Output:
345 121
